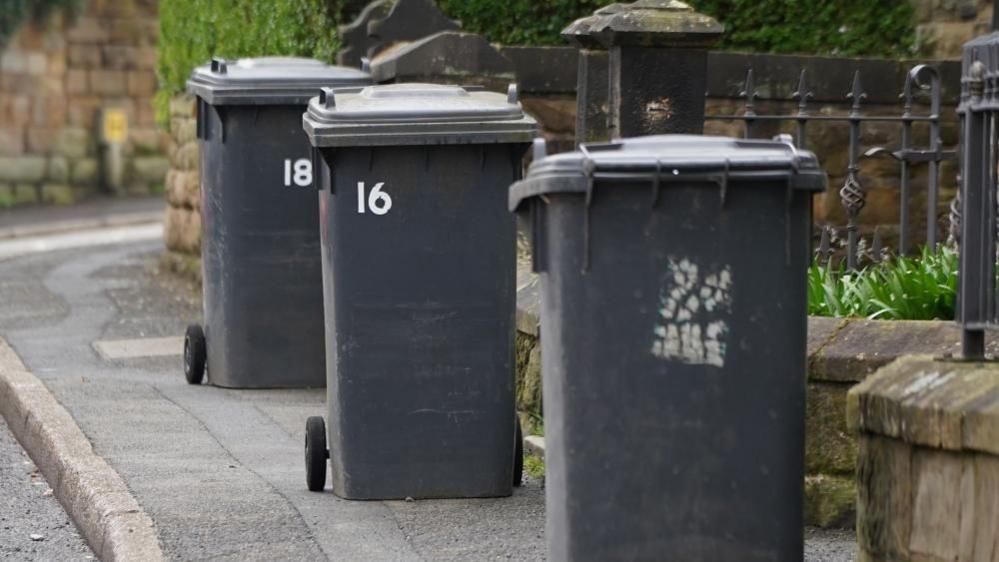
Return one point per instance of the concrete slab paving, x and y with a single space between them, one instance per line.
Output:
219 471
85 238
140 347
101 212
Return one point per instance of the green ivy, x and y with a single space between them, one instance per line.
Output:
13 13
519 22
193 31
834 27
841 27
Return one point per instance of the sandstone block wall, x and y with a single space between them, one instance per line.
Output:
56 78
942 26
928 462
182 229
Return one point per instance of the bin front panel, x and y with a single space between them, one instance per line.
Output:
420 321
674 370
260 249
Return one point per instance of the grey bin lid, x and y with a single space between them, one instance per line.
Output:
666 159
416 114
269 80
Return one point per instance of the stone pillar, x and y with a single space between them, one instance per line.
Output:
657 66
592 86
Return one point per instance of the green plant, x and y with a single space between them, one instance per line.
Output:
840 27
901 288
538 423
519 22
836 27
534 466
13 13
193 31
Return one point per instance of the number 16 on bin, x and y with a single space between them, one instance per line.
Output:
378 202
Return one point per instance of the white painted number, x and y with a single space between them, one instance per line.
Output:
299 172
379 202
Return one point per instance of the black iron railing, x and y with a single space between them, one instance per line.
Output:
979 113
921 103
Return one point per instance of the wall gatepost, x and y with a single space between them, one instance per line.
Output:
592 82
658 53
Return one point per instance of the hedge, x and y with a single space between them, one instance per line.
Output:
192 31
837 27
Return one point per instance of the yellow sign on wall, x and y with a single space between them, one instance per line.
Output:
115 126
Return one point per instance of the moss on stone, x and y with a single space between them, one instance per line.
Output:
528 361
830 447
830 501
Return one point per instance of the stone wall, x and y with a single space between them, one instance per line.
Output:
942 26
182 229
928 465
56 78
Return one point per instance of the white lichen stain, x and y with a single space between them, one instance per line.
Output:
685 332
927 381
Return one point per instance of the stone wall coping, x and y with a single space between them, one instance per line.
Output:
552 70
921 400
448 55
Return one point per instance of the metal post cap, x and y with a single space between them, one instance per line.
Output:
657 23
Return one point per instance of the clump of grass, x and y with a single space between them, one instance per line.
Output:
899 288
534 466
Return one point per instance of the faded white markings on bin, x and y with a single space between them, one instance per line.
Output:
694 308
138 348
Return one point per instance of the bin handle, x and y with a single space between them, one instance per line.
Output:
537 235
589 168
316 163
655 183
199 117
220 111
723 184
788 200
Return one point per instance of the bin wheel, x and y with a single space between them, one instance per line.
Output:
195 354
316 453
518 457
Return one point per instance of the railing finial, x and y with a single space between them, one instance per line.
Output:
802 94
857 93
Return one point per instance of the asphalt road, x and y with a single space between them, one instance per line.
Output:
221 471
33 526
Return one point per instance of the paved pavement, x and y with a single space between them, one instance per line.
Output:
33 526
96 213
220 471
